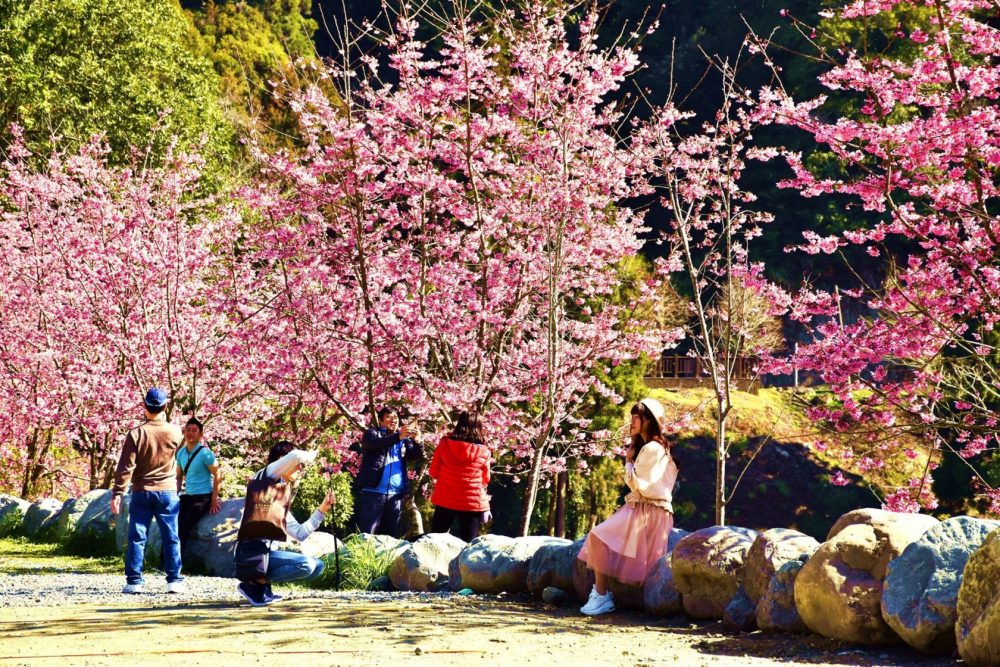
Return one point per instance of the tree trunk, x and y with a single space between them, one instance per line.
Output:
562 486
534 478
720 469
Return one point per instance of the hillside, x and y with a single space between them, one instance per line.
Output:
787 484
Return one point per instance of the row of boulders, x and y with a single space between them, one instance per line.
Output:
880 577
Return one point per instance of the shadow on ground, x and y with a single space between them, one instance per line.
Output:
439 631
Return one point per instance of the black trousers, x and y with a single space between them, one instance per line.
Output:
468 522
193 507
379 513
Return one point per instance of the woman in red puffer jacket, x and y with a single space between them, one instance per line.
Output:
461 470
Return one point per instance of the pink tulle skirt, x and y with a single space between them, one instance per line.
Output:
629 543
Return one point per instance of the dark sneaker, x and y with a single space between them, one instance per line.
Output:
271 595
255 594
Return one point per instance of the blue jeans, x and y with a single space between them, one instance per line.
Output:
285 566
144 507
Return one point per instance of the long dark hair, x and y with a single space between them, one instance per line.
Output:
467 427
651 428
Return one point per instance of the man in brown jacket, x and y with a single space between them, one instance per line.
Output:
148 461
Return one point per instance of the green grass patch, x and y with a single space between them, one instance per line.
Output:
22 556
362 562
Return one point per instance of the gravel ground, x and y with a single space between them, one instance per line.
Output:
30 590
75 618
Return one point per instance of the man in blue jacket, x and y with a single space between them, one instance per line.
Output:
382 478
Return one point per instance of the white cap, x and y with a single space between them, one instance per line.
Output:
656 409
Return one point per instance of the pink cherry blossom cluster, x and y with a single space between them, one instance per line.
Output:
455 239
923 152
107 290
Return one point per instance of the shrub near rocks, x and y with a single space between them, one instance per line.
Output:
838 592
708 566
978 613
920 594
12 512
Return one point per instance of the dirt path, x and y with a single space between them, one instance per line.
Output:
307 631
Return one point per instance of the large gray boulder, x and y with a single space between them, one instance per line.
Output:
660 596
318 544
423 565
12 512
41 518
920 593
86 523
708 567
552 566
776 608
838 592
978 626
212 543
772 549
496 563
740 615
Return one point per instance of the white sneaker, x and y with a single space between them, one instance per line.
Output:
132 588
598 604
176 587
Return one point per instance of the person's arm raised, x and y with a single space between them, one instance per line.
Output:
371 441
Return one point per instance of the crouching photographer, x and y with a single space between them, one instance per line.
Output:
267 521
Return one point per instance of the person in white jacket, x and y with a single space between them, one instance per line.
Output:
285 463
628 544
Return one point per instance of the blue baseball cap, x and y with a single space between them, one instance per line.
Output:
155 398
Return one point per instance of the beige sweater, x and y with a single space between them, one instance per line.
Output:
652 477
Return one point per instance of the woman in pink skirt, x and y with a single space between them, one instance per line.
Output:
628 544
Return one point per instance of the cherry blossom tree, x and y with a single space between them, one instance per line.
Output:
922 153
697 167
447 240
108 290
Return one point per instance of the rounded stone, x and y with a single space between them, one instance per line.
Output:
740 615
660 594
424 565
838 592
708 567
920 594
776 608
772 549
552 566
86 523
978 619
41 518
496 563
